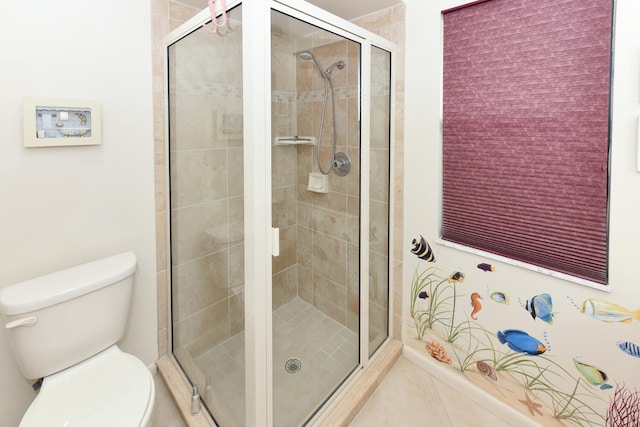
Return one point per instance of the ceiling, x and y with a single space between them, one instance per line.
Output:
350 9
346 9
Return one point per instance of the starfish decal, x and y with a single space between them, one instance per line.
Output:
531 405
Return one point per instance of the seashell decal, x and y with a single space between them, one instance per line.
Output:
532 406
500 298
487 370
438 352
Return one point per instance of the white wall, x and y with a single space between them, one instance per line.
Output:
64 206
590 338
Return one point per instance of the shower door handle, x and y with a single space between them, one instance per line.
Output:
275 241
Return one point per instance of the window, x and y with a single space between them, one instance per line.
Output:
526 99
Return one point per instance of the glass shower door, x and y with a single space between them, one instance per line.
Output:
207 226
260 354
316 277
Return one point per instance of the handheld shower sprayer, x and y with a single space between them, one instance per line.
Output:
306 55
324 72
340 163
339 64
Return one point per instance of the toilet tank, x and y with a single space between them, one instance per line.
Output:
60 319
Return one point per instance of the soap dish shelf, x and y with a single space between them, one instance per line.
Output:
318 183
294 140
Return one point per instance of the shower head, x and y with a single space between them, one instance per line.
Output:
339 64
307 55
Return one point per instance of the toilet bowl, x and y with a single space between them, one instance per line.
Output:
64 328
110 389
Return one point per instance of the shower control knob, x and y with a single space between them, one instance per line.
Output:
341 164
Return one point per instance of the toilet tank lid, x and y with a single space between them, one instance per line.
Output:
54 288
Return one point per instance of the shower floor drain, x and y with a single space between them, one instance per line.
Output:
293 365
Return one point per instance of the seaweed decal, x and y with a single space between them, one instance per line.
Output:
510 361
624 409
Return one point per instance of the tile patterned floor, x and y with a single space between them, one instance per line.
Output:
410 397
407 397
328 352
165 412
327 349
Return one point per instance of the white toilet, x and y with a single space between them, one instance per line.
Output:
63 327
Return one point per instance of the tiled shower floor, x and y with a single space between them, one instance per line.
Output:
328 352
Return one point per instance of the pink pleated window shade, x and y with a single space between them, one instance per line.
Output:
526 99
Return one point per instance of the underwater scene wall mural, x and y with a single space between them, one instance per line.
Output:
515 348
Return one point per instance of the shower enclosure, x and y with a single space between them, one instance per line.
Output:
279 165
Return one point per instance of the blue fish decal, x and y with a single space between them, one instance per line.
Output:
486 267
422 249
607 311
540 306
500 297
630 348
594 375
521 342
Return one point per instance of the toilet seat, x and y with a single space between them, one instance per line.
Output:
112 388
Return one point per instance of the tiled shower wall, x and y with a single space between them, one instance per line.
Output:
389 23
207 229
319 232
283 162
329 223
166 16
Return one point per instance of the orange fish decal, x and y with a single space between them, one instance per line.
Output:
475 303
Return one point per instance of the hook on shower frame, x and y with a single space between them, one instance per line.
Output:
214 21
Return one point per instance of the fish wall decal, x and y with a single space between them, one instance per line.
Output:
486 267
592 374
521 342
607 311
630 348
422 249
540 306
456 276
